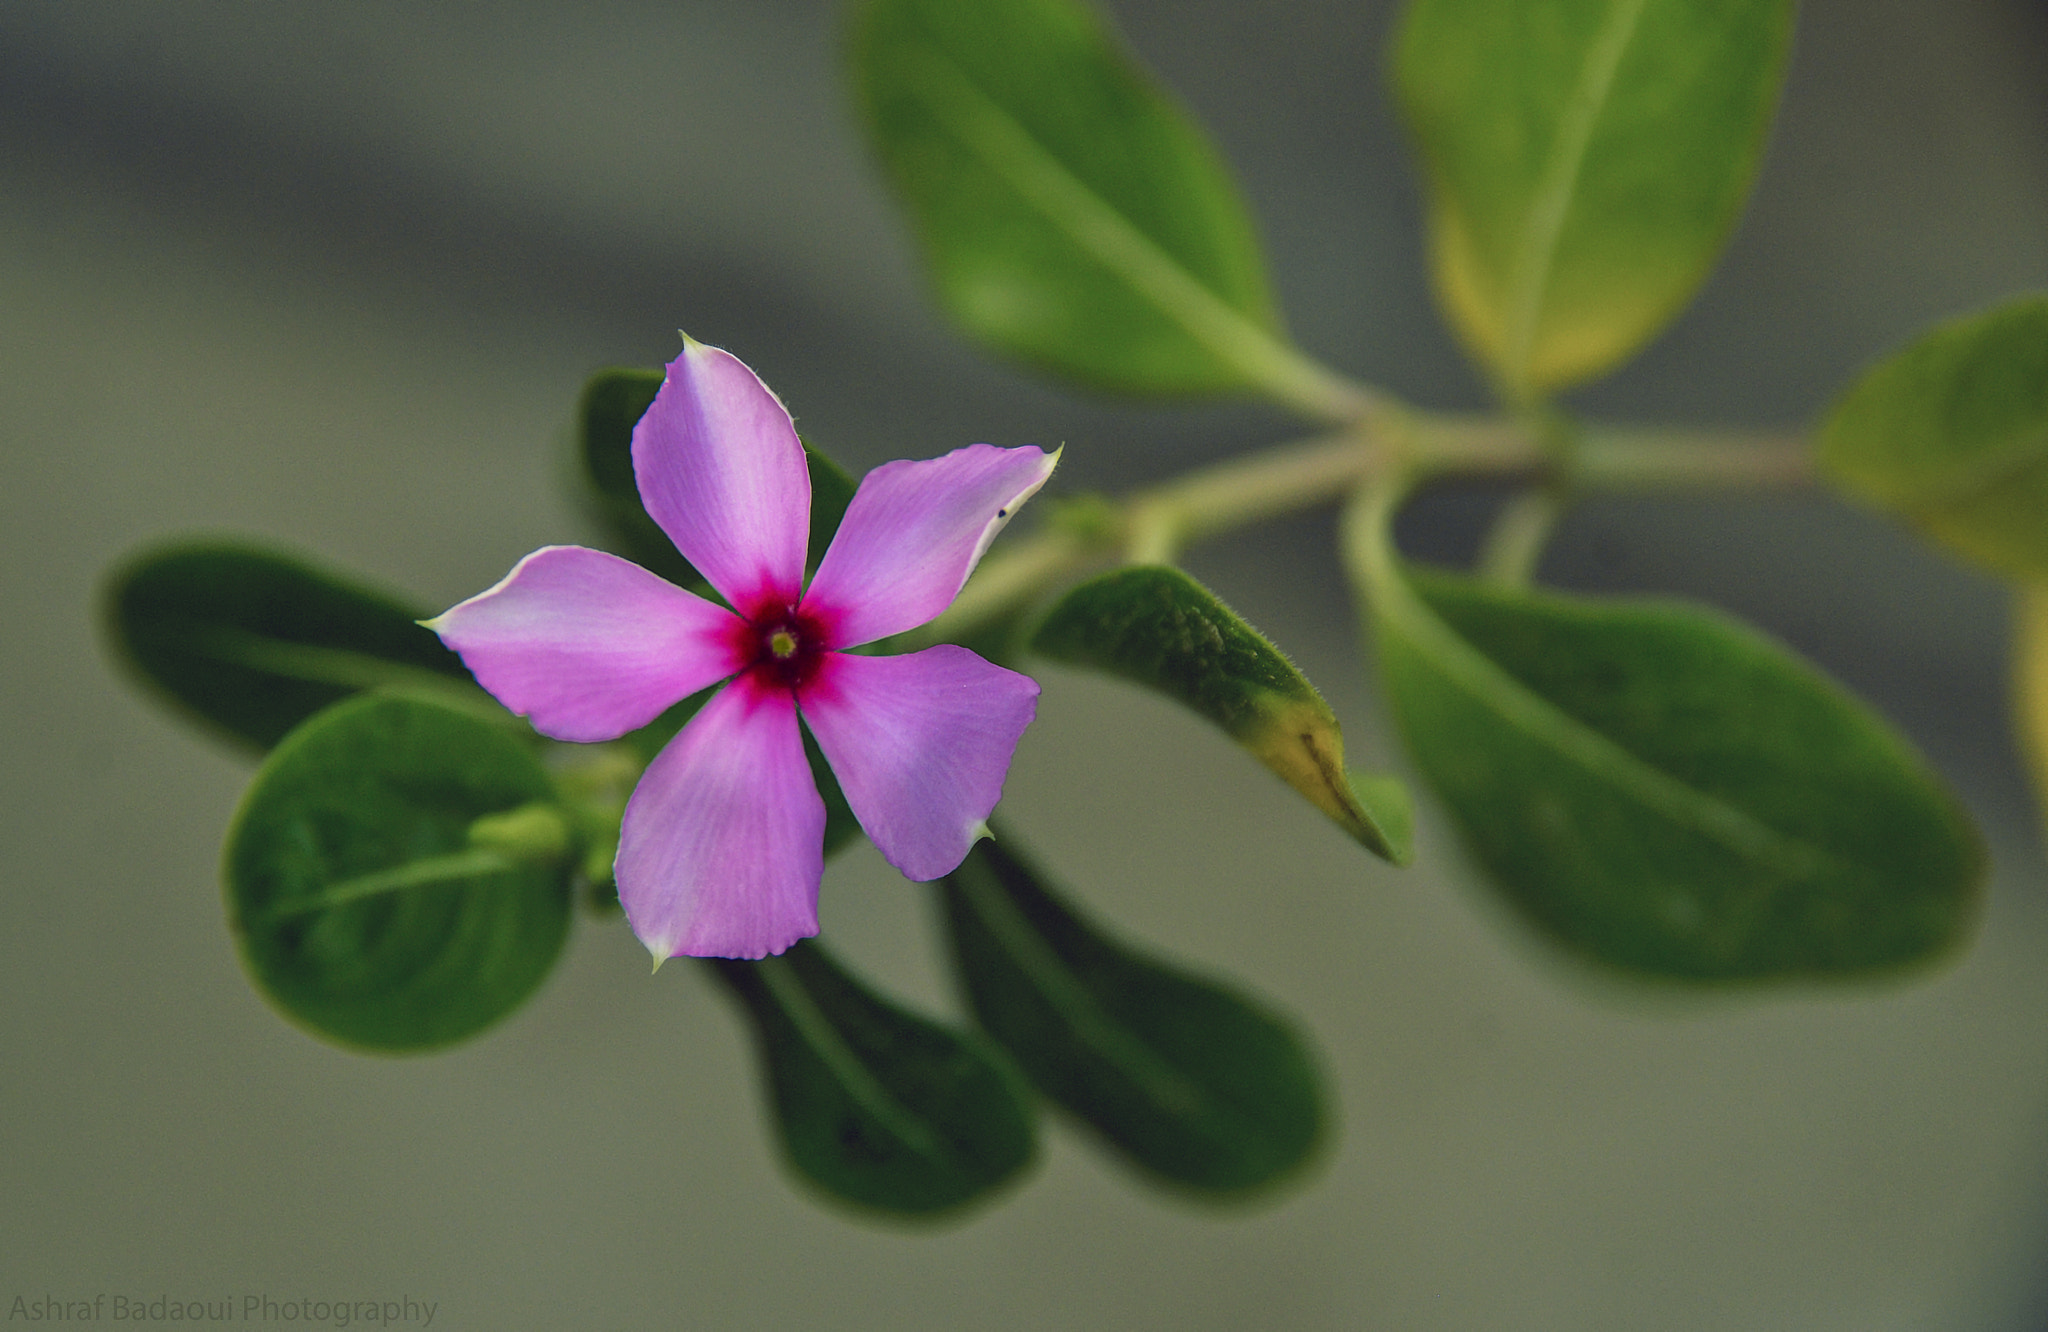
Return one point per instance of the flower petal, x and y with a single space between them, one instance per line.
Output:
913 533
720 468
722 845
920 744
588 645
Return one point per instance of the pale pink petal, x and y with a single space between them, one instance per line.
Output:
720 468
590 646
722 845
920 744
913 533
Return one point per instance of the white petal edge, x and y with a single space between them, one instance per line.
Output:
913 534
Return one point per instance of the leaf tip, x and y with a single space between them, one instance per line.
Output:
1300 742
1391 811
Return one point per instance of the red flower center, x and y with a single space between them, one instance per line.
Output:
784 646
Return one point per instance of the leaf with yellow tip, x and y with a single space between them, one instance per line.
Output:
1160 628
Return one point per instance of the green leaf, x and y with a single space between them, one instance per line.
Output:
393 881
1669 792
1392 811
875 1105
613 403
1586 160
1191 1082
252 642
1157 627
1952 434
1071 213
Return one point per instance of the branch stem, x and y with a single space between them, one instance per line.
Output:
1154 525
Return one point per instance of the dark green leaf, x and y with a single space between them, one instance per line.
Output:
613 403
1160 628
1586 160
1071 213
1193 1083
253 642
831 491
875 1105
1952 434
390 883
1669 792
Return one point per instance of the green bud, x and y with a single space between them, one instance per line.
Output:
533 834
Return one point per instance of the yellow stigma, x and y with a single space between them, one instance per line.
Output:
782 643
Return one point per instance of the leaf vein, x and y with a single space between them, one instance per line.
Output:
1536 262
981 125
1164 1083
1517 705
817 1031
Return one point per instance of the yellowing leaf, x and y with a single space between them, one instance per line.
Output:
1586 160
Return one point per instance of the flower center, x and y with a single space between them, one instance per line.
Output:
786 647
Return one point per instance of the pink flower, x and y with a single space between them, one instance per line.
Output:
721 848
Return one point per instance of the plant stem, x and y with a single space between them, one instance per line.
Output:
449 868
1515 542
1245 490
1638 458
1154 525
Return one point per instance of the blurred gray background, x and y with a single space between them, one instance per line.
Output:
332 275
